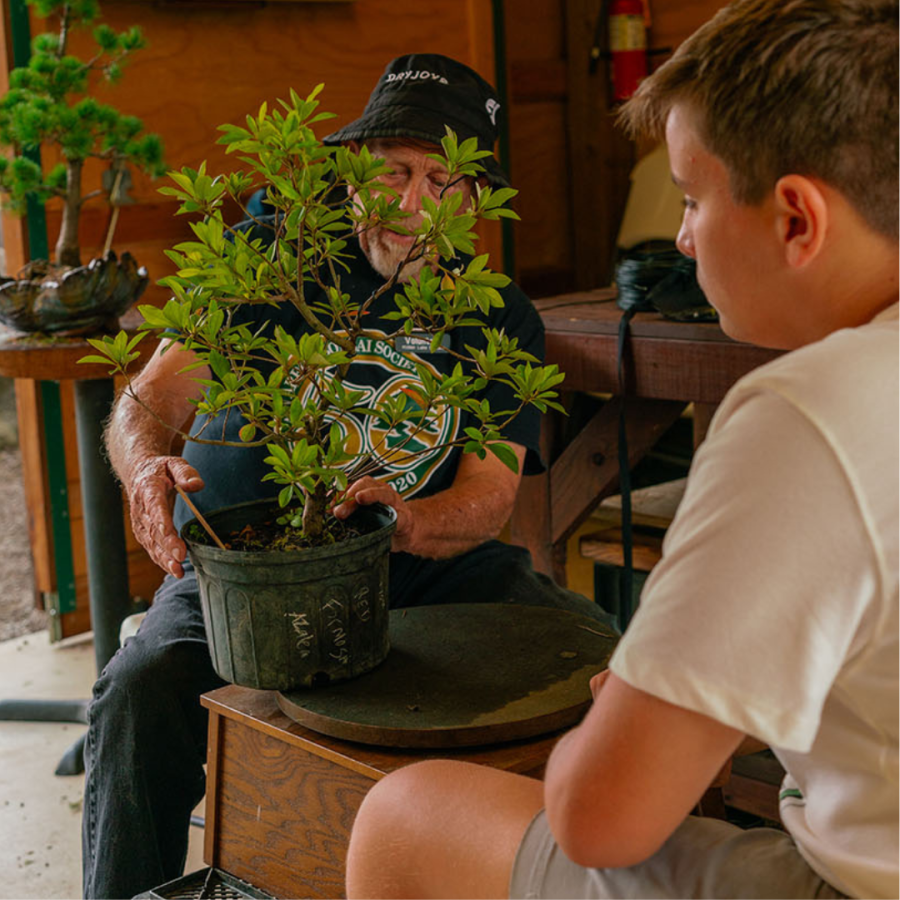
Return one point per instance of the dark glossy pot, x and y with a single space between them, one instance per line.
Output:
82 299
281 620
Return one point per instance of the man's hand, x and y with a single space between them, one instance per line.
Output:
151 496
468 513
367 491
139 443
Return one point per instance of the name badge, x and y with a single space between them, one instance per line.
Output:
420 343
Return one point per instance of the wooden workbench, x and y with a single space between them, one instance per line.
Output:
669 365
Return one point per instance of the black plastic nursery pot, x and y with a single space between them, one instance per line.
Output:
281 620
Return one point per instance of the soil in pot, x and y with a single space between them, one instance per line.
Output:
270 534
288 619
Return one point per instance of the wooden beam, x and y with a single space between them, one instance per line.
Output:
34 476
588 469
673 370
600 156
531 516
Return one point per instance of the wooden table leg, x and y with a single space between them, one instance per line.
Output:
530 522
552 506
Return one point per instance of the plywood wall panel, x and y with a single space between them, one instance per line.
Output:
534 30
674 20
538 89
539 171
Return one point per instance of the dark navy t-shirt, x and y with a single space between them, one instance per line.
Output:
233 474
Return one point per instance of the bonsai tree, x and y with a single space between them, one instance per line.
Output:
299 411
48 105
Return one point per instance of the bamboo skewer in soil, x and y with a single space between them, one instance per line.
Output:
200 519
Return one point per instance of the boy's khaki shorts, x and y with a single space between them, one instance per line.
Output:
703 858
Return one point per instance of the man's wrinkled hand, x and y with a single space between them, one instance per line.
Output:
151 497
367 491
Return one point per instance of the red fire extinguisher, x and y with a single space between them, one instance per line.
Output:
628 46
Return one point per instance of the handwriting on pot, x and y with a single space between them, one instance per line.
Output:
328 627
303 630
333 619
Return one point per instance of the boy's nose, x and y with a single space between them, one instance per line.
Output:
685 242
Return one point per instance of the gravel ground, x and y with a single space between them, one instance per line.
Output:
17 613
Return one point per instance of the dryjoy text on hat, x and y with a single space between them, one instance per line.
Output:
421 75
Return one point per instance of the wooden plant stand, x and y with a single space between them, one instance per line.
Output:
281 799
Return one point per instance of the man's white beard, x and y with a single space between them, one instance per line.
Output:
385 257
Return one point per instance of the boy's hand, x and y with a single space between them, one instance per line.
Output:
598 681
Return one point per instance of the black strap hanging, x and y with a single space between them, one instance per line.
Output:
652 276
626 580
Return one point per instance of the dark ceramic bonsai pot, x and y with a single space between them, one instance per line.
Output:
82 299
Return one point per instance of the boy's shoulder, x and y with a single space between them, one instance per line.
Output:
849 368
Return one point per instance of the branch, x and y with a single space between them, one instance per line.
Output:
63 31
128 390
296 299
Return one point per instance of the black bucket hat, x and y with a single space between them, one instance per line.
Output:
421 93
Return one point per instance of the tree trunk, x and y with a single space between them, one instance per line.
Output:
68 251
314 510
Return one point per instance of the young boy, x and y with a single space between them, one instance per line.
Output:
773 612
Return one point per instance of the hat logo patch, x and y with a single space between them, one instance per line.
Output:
492 106
420 75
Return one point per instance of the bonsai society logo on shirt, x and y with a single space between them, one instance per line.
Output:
411 453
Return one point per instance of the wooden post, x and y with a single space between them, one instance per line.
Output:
600 156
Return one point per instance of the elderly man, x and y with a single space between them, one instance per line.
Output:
146 741
773 612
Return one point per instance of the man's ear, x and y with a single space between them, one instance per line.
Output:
802 218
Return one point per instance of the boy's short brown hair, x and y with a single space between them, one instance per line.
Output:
807 87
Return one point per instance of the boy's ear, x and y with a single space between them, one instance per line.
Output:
802 218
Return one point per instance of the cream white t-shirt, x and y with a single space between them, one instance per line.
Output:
774 607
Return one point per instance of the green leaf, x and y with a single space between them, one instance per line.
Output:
101 360
506 455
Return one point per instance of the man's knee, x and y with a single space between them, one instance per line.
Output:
147 671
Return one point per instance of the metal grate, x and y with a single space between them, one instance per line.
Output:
206 884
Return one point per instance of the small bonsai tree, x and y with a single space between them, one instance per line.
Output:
298 412
47 105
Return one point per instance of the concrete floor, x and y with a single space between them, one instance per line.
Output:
40 813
